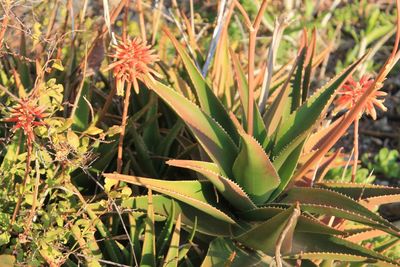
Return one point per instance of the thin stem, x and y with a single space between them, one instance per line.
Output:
252 48
291 223
123 126
82 83
125 21
280 25
27 170
260 14
106 106
355 159
35 196
247 20
141 19
156 20
250 105
192 17
215 38
4 25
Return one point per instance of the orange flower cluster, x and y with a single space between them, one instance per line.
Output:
26 116
351 92
133 58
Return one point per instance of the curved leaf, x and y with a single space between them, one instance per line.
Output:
308 113
265 235
286 162
229 189
304 223
359 191
254 171
259 129
317 243
209 103
171 260
213 138
348 215
223 252
163 205
195 193
340 257
165 234
149 243
333 199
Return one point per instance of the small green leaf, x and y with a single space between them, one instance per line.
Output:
4 238
73 139
57 64
93 130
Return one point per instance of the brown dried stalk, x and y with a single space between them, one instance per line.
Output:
123 127
253 28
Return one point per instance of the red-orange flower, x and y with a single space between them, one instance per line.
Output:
133 60
26 116
351 92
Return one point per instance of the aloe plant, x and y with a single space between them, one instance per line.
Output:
257 193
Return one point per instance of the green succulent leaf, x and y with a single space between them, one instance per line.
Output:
229 189
346 214
304 223
209 102
359 191
340 257
259 129
297 81
186 247
310 111
197 194
333 199
171 260
165 234
213 138
81 116
331 245
254 171
287 161
191 217
223 252
149 249
265 236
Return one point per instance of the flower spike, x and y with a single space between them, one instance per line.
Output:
352 91
132 61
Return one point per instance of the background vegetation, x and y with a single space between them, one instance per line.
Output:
231 150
